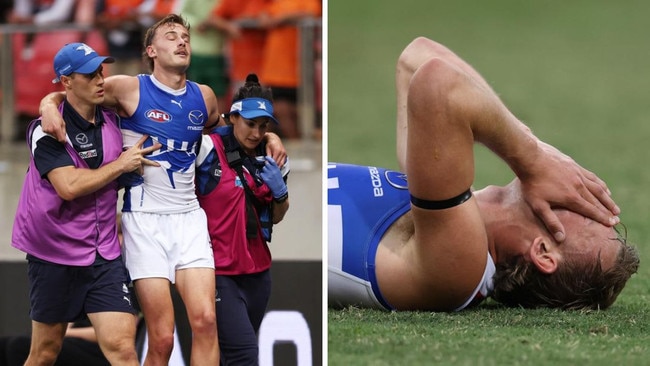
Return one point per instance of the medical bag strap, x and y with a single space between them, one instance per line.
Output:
235 162
266 221
264 213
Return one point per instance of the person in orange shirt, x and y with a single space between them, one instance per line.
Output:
158 9
280 65
238 20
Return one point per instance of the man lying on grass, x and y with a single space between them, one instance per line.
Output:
436 244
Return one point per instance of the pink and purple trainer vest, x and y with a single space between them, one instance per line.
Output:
69 232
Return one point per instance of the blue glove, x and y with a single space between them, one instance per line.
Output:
272 176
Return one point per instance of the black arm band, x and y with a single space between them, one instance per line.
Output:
441 205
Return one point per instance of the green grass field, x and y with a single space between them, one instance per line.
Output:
577 72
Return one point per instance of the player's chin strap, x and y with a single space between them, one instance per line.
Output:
441 205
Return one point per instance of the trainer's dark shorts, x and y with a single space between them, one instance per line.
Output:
60 293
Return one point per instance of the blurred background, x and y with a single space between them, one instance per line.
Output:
280 40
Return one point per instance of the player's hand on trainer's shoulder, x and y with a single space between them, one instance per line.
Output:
275 148
52 122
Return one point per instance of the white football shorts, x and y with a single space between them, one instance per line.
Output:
158 245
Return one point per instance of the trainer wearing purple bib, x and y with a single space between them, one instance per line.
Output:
69 232
66 218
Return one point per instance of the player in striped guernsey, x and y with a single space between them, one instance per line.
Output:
434 244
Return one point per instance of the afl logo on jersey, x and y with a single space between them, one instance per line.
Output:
196 117
396 179
157 115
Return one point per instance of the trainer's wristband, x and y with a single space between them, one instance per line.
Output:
282 198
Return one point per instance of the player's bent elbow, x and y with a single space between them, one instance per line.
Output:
432 86
417 52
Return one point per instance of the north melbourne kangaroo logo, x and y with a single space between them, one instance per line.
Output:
87 50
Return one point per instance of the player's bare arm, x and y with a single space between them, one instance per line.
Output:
447 256
118 93
585 193
212 106
122 93
51 120
275 148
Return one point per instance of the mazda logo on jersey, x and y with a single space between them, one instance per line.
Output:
396 179
196 117
157 115
81 139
